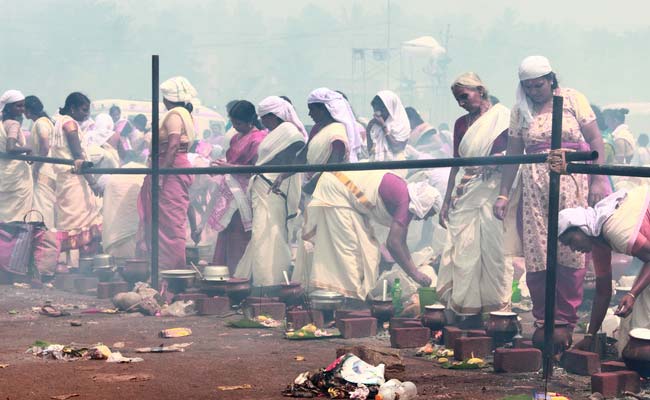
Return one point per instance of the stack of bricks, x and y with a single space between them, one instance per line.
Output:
580 362
614 384
275 310
517 360
299 318
217 305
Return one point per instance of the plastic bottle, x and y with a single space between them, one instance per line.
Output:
396 390
396 296
516 292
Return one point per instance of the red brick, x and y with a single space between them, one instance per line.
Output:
298 318
358 327
450 334
106 290
251 300
216 305
580 362
66 281
468 347
524 344
612 384
317 318
402 338
475 333
517 360
85 284
405 323
612 366
190 296
277 311
342 314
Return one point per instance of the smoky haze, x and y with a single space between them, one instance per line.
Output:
251 49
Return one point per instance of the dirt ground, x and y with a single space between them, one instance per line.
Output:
219 356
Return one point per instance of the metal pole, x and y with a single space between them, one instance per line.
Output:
155 156
551 242
388 44
362 166
612 170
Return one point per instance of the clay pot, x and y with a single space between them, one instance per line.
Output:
237 289
134 270
434 317
636 353
102 260
86 265
291 294
562 336
502 327
382 310
214 288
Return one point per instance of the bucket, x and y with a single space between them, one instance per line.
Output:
428 296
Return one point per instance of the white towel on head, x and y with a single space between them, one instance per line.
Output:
278 140
532 67
178 90
423 197
10 96
341 111
591 219
282 109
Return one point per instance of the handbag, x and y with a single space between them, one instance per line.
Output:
17 244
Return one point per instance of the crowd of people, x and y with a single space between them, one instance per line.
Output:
325 228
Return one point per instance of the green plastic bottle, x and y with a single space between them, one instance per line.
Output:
396 296
516 292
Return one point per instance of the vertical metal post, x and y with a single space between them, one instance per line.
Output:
155 189
551 244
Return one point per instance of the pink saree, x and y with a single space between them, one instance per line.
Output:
231 213
174 202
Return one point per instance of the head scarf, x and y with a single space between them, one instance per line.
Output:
469 79
102 130
341 111
9 97
178 90
423 197
591 219
282 109
278 140
532 67
398 121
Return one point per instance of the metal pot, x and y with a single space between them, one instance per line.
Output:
291 294
104 274
179 280
102 260
502 326
237 289
636 353
135 270
562 336
434 317
325 300
216 273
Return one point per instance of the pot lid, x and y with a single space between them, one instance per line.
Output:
215 278
503 313
326 295
640 333
178 273
102 257
435 307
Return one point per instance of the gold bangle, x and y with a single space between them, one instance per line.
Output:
631 295
502 197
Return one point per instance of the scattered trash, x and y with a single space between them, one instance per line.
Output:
175 333
127 301
13 312
394 389
118 345
299 358
65 396
51 311
310 331
99 352
112 378
548 396
346 376
237 387
117 357
75 323
3 366
178 309
22 285
176 347
259 322
100 311
58 351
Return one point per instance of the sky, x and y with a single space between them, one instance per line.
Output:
249 49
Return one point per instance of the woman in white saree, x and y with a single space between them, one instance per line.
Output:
473 277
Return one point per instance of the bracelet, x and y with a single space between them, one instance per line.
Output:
631 295
502 197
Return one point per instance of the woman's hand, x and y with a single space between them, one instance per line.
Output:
196 236
220 163
499 209
275 187
625 306
421 278
78 165
584 344
598 190
444 214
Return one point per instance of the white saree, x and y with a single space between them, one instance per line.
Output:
473 275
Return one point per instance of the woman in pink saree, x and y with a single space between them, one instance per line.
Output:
176 134
231 214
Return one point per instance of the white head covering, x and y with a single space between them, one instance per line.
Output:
178 89
468 79
278 140
532 67
10 96
423 197
341 111
397 122
282 109
591 219
101 132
